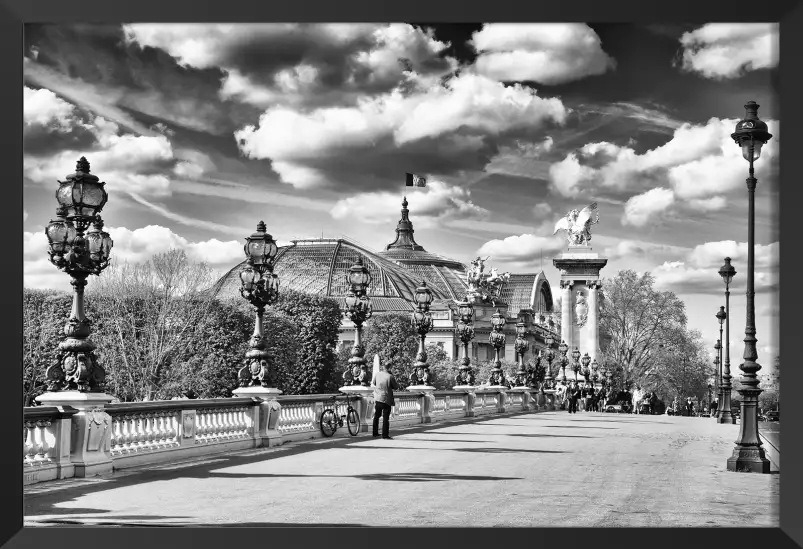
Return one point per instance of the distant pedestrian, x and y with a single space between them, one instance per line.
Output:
575 393
653 403
588 395
384 384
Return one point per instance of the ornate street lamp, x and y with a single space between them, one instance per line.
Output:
497 339
260 287
422 322
586 360
727 272
748 455
709 399
724 414
521 346
718 362
563 348
550 356
465 331
575 362
358 310
78 253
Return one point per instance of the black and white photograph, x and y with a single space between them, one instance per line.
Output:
518 275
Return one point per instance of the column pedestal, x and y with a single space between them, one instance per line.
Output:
365 406
90 440
269 411
469 390
427 403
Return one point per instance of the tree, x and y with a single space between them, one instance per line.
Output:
680 367
317 319
392 337
44 314
634 320
211 371
149 316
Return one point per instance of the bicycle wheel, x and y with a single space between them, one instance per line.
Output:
328 422
353 421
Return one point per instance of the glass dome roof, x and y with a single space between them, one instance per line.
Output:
321 267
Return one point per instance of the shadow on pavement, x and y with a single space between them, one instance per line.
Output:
503 435
395 477
145 524
48 498
474 450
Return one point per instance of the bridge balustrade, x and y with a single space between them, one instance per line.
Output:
124 435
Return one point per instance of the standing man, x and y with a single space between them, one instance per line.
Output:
384 384
574 395
588 395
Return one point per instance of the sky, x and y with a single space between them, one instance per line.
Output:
202 130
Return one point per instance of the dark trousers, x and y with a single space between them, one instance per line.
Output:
572 405
382 409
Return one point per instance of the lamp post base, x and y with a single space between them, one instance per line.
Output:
748 455
724 414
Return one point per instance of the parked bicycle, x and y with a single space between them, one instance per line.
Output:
330 421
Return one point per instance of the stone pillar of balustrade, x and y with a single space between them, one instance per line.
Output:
364 406
526 399
90 430
470 397
502 398
266 414
427 400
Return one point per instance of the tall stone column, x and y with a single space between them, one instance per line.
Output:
593 318
567 320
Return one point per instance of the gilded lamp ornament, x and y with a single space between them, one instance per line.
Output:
422 322
358 310
260 287
79 253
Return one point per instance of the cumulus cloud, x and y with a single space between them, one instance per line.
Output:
42 107
436 204
697 272
136 164
522 248
547 53
700 164
713 254
453 120
644 208
132 246
292 63
728 50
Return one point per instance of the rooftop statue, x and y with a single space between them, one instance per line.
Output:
488 285
577 225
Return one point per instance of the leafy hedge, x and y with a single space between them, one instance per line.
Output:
301 333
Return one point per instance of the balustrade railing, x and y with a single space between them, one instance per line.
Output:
144 433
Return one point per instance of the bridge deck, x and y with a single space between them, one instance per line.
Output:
525 469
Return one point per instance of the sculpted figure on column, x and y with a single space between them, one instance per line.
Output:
577 225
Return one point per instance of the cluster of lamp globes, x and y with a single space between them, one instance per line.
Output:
71 248
259 284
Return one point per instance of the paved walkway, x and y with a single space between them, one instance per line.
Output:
536 469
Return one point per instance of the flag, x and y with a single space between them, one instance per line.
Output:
414 180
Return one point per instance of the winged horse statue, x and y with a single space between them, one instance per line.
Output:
577 225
